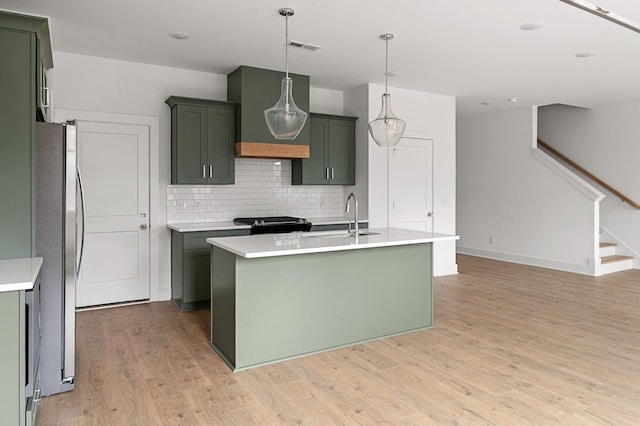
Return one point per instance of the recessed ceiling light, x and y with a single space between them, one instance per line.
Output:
178 35
529 26
513 100
586 54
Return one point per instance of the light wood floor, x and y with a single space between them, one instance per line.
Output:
512 345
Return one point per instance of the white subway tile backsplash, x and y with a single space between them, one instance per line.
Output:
263 188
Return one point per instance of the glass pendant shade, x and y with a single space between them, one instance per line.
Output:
285 120
386 129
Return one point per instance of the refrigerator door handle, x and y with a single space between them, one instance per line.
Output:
83 219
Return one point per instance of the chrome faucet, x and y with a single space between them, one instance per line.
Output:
355 232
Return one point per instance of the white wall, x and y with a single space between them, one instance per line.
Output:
429 116
603 140
119 88
534 215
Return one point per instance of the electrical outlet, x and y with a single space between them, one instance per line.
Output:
491 240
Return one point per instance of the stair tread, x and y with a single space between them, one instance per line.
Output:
607 245
614 258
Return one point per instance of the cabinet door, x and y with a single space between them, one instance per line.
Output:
220 145
315 169
342 152
198 275
190 162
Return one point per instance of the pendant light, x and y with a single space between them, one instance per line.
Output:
386 129
285 120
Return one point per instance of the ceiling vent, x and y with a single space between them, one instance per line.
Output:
303 45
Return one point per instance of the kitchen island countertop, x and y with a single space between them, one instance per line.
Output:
270 245
19 274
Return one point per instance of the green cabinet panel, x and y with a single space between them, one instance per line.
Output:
276 308
15 406
12 357
19 41
332 158
202 141
256 89
190 273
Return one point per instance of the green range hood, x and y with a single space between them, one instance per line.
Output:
254 90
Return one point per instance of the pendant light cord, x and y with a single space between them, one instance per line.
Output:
386 65
286 45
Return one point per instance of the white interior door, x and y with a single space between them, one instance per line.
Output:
411 184
113 160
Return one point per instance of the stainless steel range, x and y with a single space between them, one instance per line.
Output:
274 224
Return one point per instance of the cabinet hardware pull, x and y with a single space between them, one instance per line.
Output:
45 97
326 173
204 171
210 170
332 173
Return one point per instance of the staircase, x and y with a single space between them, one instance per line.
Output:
610 261
612 257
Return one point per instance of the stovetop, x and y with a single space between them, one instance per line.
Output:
274 224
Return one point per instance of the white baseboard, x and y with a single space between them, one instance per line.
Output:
531 261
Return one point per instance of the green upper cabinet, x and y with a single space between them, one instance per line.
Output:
202 141
333 153
254 90
22 40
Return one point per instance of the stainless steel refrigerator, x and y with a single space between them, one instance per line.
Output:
59 240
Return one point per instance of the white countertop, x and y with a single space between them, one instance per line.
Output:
19 274
223 226
269 245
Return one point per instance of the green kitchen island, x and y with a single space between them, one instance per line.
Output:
281 296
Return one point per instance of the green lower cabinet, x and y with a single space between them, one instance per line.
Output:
332 158
191 259
190 273
16 408
12 357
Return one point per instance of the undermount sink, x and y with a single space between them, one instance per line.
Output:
336 234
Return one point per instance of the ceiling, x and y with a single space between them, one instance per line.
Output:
470 49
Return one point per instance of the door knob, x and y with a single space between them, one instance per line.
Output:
143 226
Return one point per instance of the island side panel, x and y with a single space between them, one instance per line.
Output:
288 306
223 303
